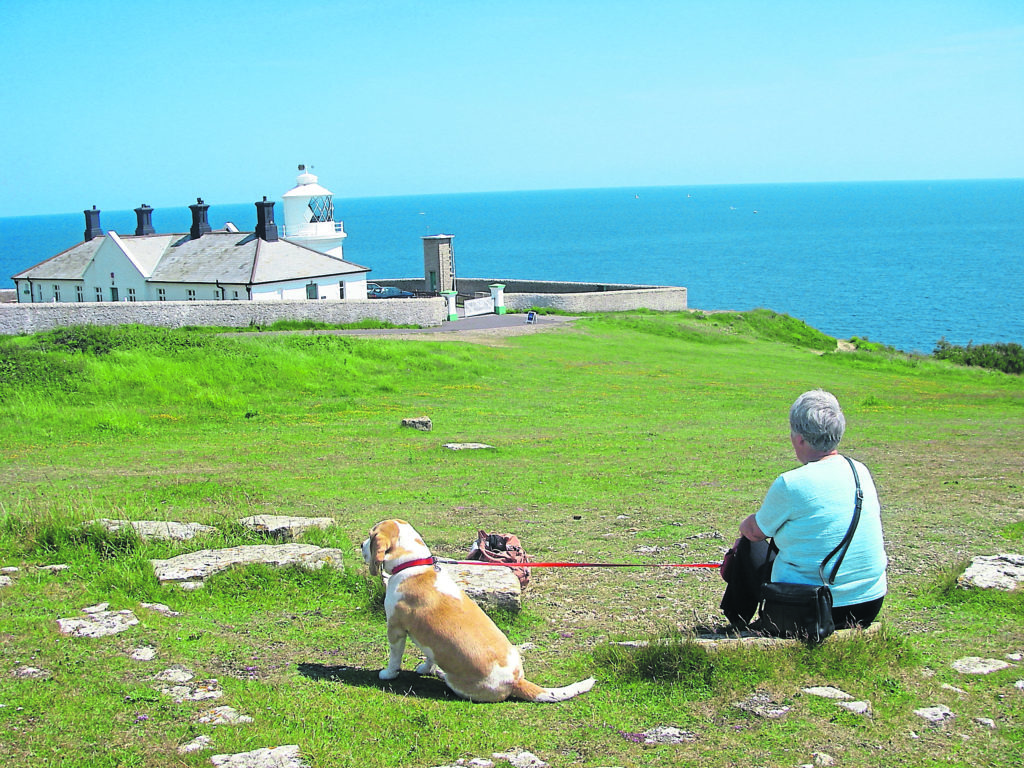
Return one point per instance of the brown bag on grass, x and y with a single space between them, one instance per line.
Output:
502 548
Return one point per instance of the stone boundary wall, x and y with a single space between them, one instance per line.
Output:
520 295
30 318
619 300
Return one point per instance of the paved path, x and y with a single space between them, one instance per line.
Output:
482 329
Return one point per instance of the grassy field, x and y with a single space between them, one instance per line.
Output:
640 437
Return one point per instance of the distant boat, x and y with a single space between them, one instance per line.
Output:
636 197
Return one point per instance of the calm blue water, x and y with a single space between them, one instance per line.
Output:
903 263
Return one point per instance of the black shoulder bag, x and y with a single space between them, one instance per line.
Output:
805 610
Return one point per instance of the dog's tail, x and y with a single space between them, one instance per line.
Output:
528 691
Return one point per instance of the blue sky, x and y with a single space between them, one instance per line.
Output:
118 103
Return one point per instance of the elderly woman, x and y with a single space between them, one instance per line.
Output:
808 510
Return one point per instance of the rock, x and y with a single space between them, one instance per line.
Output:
521 759
99 624
823 758
222 716
156 529
985 722
5 581
197 744
54 568
196 566
1019 685
827 692
145 653
667 734
30 673
1004 571
953 688
857 707
9 569
94 609
276 757
935 715
201 691
422 423
284 527
973 665
760 703
488 586
467 446
174 675
160 608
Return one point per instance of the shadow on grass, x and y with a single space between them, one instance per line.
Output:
406 684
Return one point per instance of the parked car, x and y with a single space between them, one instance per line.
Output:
387 292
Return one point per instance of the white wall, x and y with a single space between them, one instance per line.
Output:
327 288
110 259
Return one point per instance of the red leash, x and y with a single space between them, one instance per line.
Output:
578 565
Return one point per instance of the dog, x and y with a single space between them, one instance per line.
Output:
461 644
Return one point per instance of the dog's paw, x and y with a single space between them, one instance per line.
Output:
388 674
426 668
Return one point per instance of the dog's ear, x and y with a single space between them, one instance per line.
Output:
380 543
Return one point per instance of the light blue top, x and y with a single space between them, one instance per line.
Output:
808 511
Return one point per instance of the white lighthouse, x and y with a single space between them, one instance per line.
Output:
309 215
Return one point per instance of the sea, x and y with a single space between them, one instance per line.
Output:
901 263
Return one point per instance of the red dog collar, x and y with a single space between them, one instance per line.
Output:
412 564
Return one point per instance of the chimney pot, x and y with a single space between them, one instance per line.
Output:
266 229
92 224
144 217
200 225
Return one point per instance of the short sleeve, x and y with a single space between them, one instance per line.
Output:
775 508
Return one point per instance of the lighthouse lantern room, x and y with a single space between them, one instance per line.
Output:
309 216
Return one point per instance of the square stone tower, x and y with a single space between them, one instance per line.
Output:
438 263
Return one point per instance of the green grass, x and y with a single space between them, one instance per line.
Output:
613 435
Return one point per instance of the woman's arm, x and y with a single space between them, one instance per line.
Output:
751 530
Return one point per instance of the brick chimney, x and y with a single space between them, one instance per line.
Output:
144 215
266 229
92 224
200 226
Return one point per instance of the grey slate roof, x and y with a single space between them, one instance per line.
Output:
67 265
225 257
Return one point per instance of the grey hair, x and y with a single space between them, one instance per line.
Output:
817 417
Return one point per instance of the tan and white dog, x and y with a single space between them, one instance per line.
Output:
461 644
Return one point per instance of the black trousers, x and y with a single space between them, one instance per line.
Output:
750 566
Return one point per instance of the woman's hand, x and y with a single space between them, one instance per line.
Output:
750 529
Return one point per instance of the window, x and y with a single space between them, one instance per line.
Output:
321 208
161 294
341 289
56 293
79 293
113 293
131 294
99 294
312 291
236 296
191 294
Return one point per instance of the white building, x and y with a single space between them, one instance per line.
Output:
309 215
203 264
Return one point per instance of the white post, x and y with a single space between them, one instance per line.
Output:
498 294
453 313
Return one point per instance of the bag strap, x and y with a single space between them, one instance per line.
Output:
844 545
